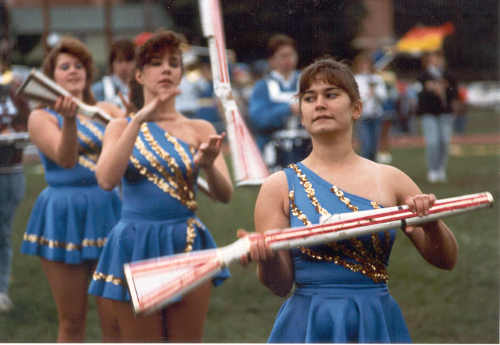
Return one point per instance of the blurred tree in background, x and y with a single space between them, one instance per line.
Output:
319 26
328 27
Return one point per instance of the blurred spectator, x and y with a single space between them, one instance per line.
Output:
274 110
435 107
114 88
406 105
389 107
206 101
460 111
13 118
187 101
373 94
242 83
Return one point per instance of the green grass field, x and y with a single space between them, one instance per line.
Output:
461 306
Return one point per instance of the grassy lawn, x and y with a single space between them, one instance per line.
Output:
461 306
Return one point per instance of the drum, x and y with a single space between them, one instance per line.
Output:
287 146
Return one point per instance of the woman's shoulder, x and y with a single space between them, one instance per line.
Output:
42 114
201 126
275 183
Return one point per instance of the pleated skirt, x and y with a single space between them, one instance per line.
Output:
138 239
70 224
340 313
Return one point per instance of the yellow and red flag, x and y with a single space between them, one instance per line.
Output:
424 38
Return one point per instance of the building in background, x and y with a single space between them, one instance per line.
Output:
33 24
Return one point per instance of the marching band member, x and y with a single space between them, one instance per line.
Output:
14 113
157 154
341 292
273 110
71 218
114 88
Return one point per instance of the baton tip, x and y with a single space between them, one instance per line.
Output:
490 197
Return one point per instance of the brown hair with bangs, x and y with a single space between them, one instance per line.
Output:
72 46
121 49
157 45
277 41
161 42
331 71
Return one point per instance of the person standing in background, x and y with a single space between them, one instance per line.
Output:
114 88
14 113
373 94
435 108
389 107
273 108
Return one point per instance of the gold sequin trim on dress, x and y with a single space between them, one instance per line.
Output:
183 187
371 265
92 128
87 162
108 278
184 156
191 233
171 187
89 142
67 246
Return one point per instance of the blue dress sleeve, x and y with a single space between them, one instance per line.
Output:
263 112
98 91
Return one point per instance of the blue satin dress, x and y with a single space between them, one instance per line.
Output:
341 292
158 216
72 216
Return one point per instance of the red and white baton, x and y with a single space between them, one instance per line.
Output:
155 283
248 166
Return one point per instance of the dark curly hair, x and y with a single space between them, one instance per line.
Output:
161 42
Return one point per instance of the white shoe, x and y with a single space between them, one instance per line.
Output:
5 303
433 176
384 157
441 176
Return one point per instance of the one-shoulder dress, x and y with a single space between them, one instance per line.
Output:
341 292
158 214
72 216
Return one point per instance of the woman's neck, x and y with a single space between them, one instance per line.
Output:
331 150
77 94
164 111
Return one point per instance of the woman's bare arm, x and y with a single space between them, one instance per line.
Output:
59 144
209 158
274 270
434 240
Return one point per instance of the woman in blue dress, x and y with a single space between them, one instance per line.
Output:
157 154
340 289
72 216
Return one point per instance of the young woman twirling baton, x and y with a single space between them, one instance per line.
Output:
157 154
72 216
341 292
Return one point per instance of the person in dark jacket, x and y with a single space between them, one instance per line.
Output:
435 102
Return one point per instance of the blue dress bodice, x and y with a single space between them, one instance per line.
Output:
161 167
369 253
90 135
158 216
340 291
72 216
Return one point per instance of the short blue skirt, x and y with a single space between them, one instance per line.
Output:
134 239
340 313
70 223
